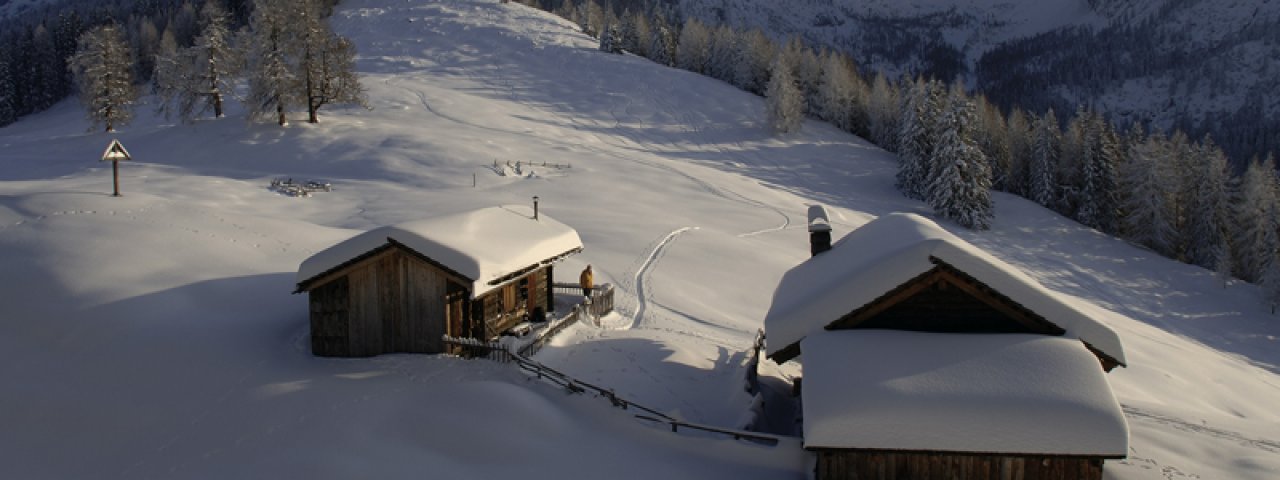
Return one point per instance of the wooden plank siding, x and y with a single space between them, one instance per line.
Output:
393 300
881 465
329 313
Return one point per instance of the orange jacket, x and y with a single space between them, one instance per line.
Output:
585 279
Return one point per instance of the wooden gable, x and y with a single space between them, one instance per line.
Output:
945 300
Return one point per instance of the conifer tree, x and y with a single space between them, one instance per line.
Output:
103 68
8 110
1018 137
1208 210
918 132
959 184
1222 261
661 44
992 135
883 113
1099 155
1255 223
693 48
842 95
722 55
643 34
784 104
754 60
1044 160
610 39
1145 199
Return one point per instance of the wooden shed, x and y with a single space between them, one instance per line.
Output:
402 288
877 311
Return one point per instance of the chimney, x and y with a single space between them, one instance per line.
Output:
535 207
819 230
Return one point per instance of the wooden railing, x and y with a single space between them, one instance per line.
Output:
601 297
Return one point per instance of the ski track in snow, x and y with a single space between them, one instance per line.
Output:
1137 414
642 297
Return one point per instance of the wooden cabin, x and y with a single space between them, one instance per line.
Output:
879 309
402 288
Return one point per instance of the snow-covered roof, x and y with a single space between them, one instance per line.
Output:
482 245
891 250
987 393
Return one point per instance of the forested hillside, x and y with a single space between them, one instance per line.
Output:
1200 66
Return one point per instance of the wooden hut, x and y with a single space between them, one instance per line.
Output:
402 288
928 358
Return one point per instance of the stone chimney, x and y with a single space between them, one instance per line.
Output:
819 230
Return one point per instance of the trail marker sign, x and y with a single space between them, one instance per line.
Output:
114 153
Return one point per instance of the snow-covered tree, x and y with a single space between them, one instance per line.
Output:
591 18
991 133
1271 284
883 113
919 127
959 183
1044 159
1145 198
637 41
611 39
662 43
693 48
272 82
102 66
195 80
1208 211
755 57
722 56
1222 261
808 72
1098 156
842 95
1018 137
1255 221
326 63
784 104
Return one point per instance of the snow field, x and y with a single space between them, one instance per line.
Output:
154 335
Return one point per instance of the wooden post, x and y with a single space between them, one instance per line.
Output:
114 153
115 178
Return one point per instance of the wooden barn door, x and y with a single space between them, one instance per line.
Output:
455 313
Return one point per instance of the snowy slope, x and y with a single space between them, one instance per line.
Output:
154 335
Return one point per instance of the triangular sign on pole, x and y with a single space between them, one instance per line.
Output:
115 152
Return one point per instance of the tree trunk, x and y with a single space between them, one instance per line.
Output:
213 87
311 93
280 114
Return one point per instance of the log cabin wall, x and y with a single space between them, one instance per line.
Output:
878 465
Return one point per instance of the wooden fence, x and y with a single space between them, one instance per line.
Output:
473 348
601 297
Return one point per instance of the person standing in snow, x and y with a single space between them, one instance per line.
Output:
585 279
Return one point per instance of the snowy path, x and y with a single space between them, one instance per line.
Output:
642 296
